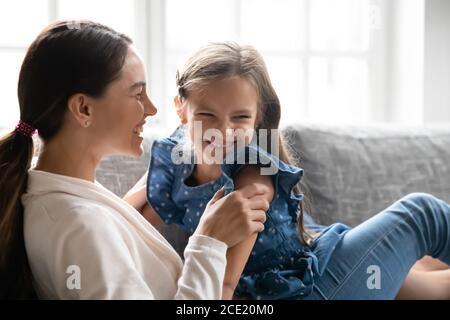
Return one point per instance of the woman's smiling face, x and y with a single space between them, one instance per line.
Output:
224 108
119 115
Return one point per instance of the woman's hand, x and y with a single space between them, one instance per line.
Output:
233 218
137 196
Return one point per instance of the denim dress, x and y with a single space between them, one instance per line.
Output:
280 266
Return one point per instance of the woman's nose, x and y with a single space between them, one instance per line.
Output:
150 108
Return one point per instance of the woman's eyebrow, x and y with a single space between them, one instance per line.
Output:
136 85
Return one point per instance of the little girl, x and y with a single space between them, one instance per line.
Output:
225 101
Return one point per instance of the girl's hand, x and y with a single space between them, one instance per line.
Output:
233 218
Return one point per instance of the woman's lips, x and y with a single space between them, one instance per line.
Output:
139 129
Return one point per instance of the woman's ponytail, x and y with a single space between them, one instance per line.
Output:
16 152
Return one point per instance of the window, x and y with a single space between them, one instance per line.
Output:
320 53
12 46
323 55
28 23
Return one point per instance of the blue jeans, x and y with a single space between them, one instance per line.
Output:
374 258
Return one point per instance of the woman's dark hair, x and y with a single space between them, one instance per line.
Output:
65 59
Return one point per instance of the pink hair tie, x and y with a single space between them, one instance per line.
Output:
25 129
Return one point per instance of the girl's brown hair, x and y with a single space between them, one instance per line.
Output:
222 60
66 58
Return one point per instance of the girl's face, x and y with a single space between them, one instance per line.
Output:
221 108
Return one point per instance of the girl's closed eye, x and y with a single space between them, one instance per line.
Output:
205 114
244 116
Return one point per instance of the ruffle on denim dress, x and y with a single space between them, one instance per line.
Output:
279 266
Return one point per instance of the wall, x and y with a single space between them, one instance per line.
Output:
405 64
437 61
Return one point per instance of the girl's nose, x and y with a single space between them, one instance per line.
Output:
226 129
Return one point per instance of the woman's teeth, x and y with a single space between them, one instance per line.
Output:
138 130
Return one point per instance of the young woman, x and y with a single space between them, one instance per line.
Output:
225 88
62 235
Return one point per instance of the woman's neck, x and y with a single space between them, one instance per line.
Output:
66 159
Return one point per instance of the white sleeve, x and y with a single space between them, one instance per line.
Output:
204 269
92 260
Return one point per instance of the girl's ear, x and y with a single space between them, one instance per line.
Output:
181 110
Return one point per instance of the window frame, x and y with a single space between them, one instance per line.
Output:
150 38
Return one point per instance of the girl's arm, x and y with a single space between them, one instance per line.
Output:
149 213
137 197
237 256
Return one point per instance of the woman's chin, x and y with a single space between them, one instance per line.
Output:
137 151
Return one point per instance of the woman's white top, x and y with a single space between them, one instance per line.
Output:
84 242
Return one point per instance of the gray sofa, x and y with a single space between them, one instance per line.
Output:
351 173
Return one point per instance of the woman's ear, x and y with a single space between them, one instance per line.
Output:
81 110
181 110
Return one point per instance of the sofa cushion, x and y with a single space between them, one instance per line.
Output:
352 173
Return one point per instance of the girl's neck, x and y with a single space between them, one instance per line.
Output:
204 173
